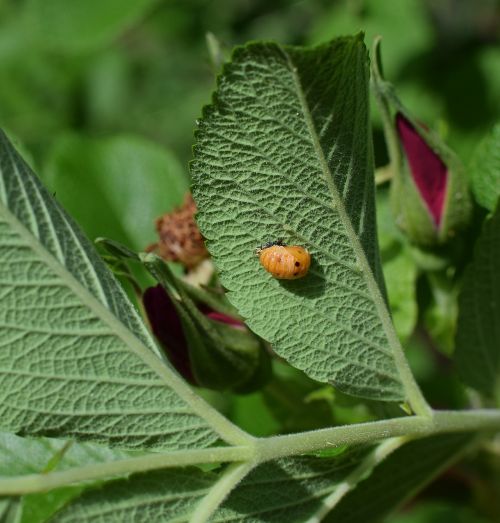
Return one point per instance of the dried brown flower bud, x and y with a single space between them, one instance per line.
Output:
180 239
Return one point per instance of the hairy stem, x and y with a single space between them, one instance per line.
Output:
260 450
412 427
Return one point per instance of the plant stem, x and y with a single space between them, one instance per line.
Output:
231 477
412 427
42 482
366 465
261 450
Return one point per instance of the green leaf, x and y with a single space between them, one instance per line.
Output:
127 181
284 152
19 456
399 268
485 170
478 327
27 456
287 489
159 496
80 27
10 510
397 478
291 489
435 511
75 358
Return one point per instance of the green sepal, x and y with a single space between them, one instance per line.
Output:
222 357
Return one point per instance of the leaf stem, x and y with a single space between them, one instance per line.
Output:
369 463
30 483
412 426
261 450
218 493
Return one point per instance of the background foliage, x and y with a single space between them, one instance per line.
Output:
102 99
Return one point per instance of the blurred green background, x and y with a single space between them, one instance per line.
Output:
102 95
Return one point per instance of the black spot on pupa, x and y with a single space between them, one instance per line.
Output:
297 264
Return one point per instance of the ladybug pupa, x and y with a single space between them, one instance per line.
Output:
284 262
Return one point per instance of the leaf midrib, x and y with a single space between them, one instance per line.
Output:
338 206
216 421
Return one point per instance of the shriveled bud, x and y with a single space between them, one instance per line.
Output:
180 239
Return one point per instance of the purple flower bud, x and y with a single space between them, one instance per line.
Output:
429 172
167 328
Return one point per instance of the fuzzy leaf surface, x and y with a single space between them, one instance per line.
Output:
75 358
478 328
159 496
284 152
399 477
485 170
290 489
20 456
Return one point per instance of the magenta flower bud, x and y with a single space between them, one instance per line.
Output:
429 172
224 318
429 194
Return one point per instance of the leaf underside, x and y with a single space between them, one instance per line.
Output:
284 152
75 358
398 478
478 328
289 489
485 170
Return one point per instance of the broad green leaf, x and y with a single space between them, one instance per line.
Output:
75 358
127 181
291 489
478 327
83 26
398 478
485 170
284 152
155 497
283 490
19 456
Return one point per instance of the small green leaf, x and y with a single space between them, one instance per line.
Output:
478 328
116 187
284 152
75 358
485 170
